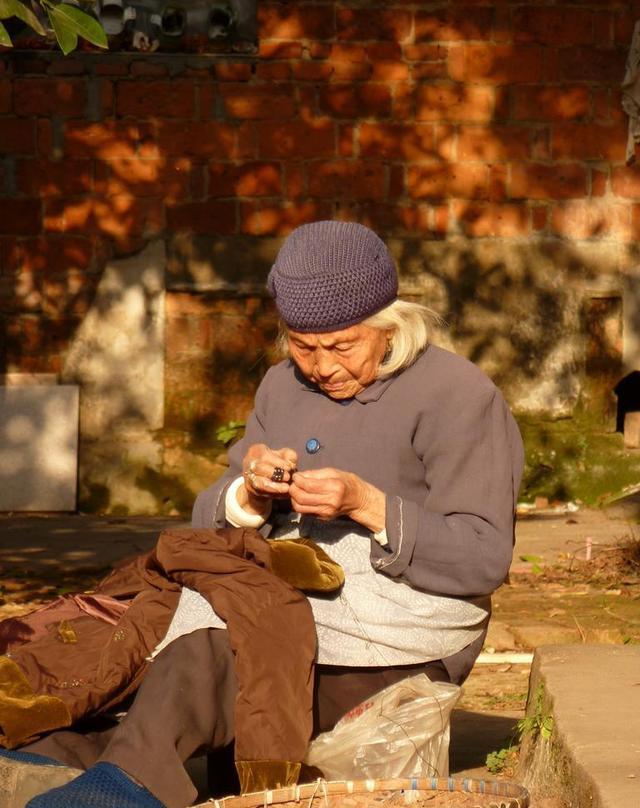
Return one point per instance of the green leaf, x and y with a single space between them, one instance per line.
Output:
14 8
66 36
534 559
73 19
5 39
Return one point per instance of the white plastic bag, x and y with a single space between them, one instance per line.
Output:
403 731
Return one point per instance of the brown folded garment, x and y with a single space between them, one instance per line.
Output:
305 565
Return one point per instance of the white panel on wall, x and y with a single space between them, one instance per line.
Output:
38 447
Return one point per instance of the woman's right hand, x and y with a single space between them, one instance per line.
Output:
258 468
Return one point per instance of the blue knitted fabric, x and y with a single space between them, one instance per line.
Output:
28 757
331 275
102 786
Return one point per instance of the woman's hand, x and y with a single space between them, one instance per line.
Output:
328 493
259 467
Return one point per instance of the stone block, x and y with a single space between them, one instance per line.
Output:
38 447
632 430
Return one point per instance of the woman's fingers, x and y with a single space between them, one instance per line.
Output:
268 472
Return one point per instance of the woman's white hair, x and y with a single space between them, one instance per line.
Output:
411 324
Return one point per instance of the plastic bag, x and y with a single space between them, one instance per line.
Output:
402 731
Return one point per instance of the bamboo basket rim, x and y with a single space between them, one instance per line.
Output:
516 796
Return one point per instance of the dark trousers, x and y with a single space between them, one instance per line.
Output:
185 705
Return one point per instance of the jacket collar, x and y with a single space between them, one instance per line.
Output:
370 393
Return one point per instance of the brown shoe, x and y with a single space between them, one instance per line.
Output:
24 775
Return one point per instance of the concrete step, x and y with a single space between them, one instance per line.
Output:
582 738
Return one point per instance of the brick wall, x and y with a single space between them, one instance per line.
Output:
484 140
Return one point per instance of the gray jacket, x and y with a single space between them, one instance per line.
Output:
438 439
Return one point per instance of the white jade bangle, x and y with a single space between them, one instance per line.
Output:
381 537
235 514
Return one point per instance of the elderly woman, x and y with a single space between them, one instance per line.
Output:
400 459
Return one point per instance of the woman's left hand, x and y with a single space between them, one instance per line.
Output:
328 493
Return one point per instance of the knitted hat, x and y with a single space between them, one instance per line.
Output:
331 275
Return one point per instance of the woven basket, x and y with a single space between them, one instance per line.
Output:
432 792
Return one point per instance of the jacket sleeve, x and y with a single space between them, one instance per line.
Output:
459 540
209 507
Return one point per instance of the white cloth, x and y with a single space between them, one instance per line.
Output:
374 620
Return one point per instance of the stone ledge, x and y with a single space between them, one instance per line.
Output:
588 697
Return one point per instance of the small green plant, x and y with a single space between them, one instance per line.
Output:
535 562
538 723
497 761
227 433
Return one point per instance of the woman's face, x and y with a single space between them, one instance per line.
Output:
341 363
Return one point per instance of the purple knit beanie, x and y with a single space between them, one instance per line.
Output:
331 275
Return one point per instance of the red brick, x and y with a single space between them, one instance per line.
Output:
454 102
390 71
278 21
210 217
599 181
445 140
403 101
166 178
161 99
589 141
111 69
312 71
495 64
381 51
493 142
42 97
586 219
280 50
48 178
313 138
67 67
625 182
429 70
352 101
635 222
232 71
346 138
44 138
454 24
146 69
266 219
604 27
351 71
592 64
396 181
198 138
23 217
5 95
365 24
412 219
397 141
249 179
438 181
482 220
295 181
342 52
623 24
558 181
541 143
426 52
273 71
255 103
551 103
539 218
558 26
106 140
361 180
17 137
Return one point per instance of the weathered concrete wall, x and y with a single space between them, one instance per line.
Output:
485 142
